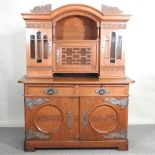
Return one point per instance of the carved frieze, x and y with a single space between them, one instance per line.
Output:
116 135
35 135
44 25
42 9
113 26
110 10
40 68
112 68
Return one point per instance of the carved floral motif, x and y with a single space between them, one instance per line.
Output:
42 9
110 10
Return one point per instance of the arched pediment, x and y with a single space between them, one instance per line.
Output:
76 9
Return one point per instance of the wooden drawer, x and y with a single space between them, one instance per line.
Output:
56 90
100 90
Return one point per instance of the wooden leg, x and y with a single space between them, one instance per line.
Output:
123 148
28 148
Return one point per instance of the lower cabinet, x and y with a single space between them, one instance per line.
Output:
97 120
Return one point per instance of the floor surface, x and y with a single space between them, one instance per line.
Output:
141 142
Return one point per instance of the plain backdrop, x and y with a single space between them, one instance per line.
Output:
140 56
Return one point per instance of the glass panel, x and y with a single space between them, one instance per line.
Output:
119 47
39 48
32 47
45 47
113 44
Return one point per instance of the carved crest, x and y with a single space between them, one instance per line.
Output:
110 10
42 9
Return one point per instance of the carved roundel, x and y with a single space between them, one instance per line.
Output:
104 119
48 119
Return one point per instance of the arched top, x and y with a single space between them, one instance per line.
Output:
107 13
76 9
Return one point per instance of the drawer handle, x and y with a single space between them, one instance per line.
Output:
69 120
102 91
84 115
51 91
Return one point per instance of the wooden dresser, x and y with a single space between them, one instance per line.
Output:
75 89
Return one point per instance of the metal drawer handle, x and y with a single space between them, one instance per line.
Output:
51 91
84 115
102 91
69 120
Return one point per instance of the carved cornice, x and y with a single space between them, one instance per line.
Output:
113 26
42 9
46 25
111 10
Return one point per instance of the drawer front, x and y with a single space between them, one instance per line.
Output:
103 90
56 90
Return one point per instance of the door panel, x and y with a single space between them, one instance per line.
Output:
101 119
76 57
52 118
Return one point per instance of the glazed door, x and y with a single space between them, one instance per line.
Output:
51 118
103 118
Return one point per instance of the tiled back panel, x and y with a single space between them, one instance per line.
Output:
76 56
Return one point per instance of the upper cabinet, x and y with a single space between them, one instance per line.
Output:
75 39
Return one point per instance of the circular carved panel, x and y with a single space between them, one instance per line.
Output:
48 119
103 119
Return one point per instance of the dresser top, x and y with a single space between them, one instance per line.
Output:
75 80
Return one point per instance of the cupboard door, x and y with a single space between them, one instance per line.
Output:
51 118
76 57
103 118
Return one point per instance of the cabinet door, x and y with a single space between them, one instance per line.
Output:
103 118
76 57
51 118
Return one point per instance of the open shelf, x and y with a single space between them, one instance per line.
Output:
76 28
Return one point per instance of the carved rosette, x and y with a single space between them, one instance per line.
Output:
122 102
30 102
30 134
116 135
46 25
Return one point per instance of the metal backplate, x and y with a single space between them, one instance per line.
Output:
122 102
30 102
116 135
30 134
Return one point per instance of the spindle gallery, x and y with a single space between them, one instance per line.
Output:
75 88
